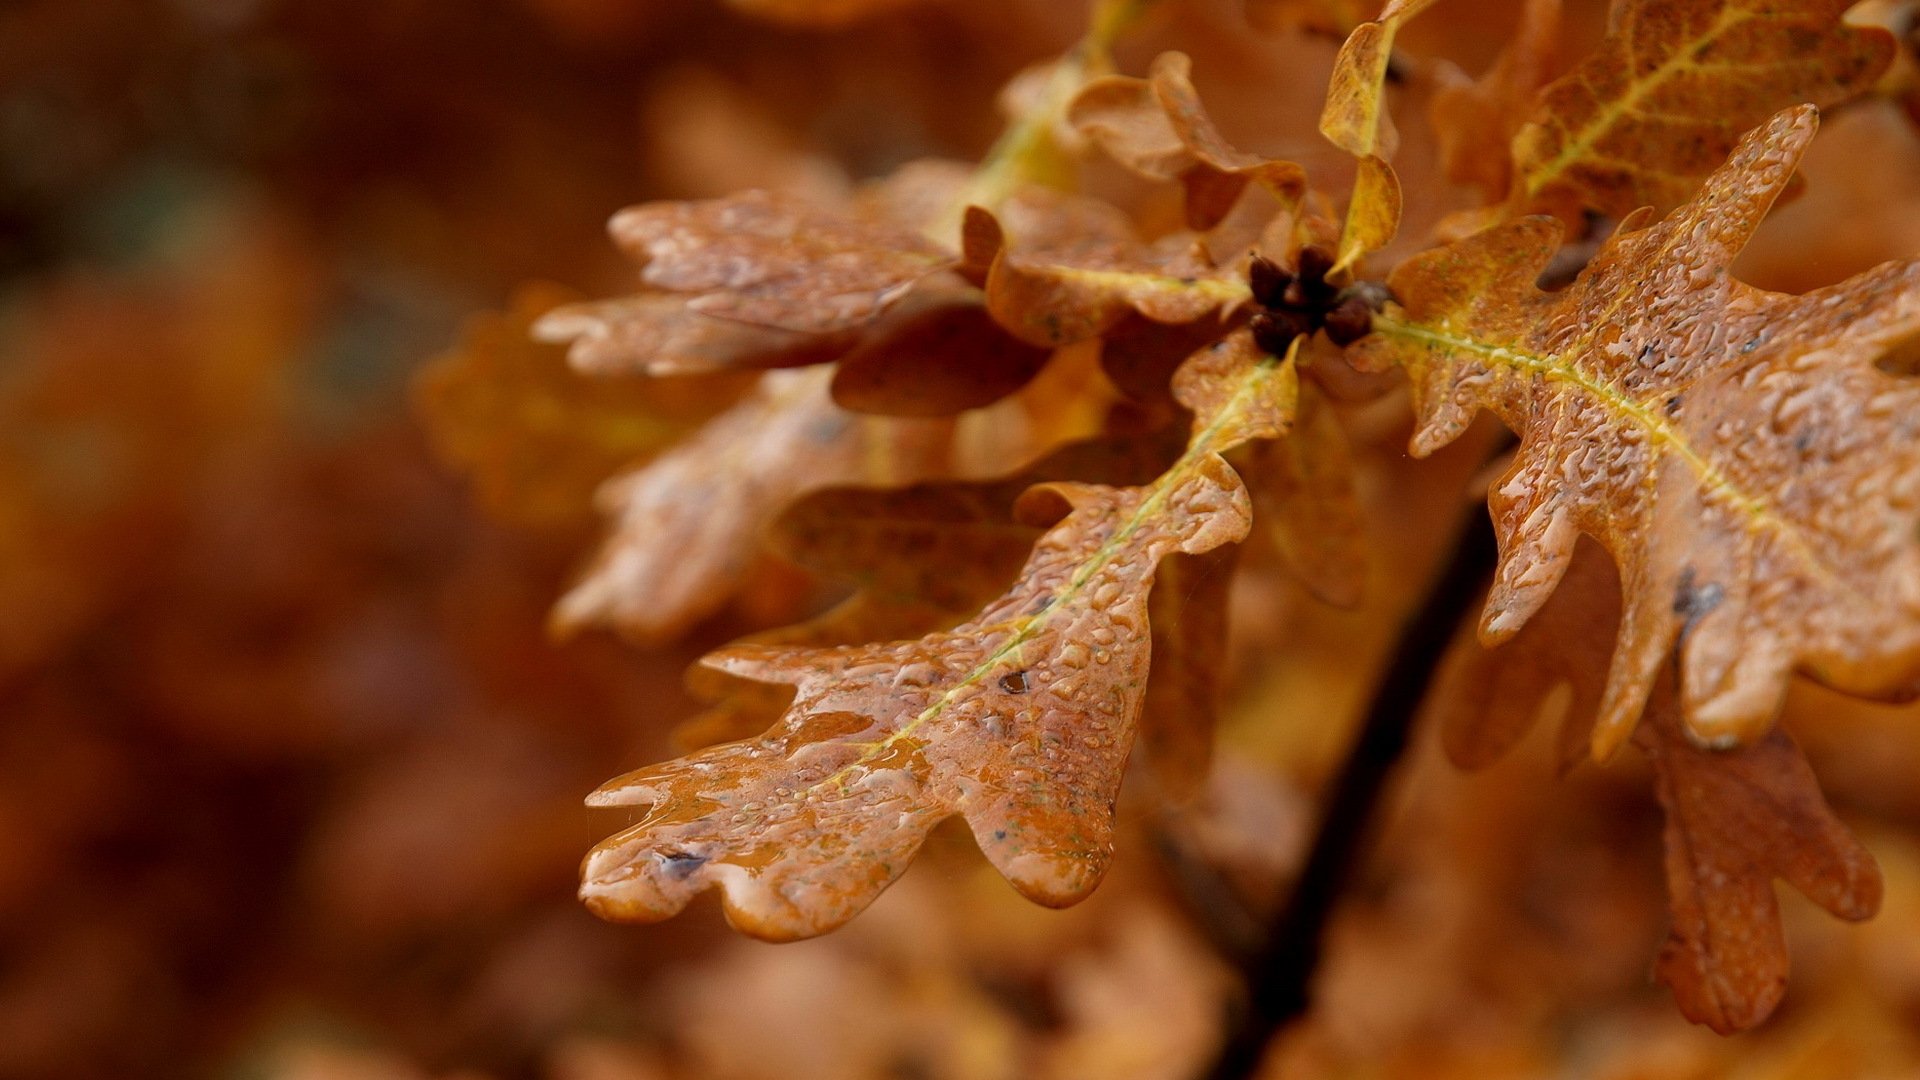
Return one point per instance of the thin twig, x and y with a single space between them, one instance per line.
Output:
1281 974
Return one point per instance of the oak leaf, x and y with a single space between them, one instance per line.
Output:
1355 118
1735 819
1065 293
1672 88
687 526
919 558
1020 719
1474 120
1157 127
1736 451
775 261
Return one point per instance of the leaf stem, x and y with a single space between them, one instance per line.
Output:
1281 972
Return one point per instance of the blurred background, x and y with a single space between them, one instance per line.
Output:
291 772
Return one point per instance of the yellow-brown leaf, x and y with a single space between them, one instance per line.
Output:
1738 453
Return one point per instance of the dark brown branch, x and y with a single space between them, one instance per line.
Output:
1281 974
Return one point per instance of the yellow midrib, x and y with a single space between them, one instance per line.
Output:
1200 447
1714 481
1578 145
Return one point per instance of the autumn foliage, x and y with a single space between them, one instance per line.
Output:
1388 511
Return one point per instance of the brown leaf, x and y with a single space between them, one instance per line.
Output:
1303 490
1671 89
536 436
1158 128
1078 292
1737 819
920 558
1474 120
1188 614
1736 451
773 261
658 334
1489 698
687 526
940 356
1020 719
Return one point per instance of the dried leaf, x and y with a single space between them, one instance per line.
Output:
1020 719
687 527
1736 451
537 437
1490 698
1373 214
1158 128
1670 91
1737 819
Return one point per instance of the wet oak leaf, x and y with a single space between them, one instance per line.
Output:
940 356
1672 88
658 334
920 558
776 261
1077 292
1020 719
687 526
1736 451
1157 127
1737 819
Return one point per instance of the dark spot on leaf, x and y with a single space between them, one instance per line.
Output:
1693 602
680 865
1015 683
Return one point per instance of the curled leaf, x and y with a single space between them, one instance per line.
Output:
1020 719
1736 451
1060 295
1355 117
1157 127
